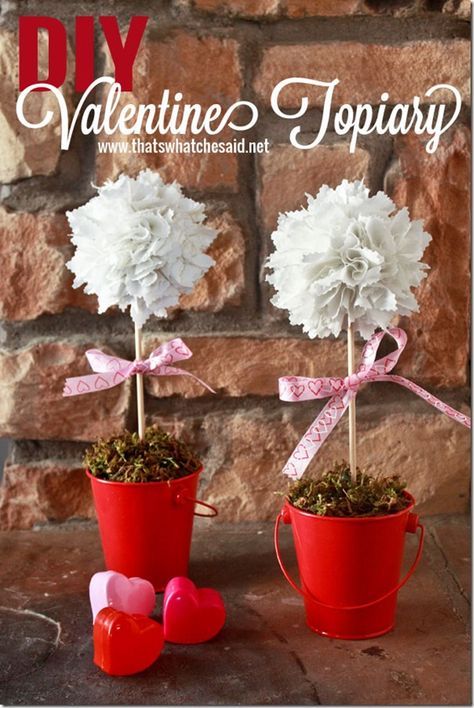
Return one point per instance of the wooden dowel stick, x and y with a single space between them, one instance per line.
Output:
139 378
352 405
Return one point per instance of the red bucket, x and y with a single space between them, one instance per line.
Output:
146 527
350 569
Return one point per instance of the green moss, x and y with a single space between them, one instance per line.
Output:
335 494
125 458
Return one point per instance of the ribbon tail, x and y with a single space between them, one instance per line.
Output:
91 383
176 371
203 383
429 398
316 435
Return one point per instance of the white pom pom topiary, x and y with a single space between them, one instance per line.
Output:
347 258
140 243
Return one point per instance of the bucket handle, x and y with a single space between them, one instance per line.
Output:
182 499
306 593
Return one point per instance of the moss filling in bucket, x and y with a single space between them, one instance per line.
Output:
159 457
336 494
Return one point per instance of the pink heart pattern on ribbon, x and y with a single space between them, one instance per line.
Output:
342 390
110 371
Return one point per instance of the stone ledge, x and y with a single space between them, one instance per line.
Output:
265 653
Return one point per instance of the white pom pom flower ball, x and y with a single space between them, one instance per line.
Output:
139 244
346 258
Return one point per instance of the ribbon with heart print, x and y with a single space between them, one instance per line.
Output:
111 371
342 390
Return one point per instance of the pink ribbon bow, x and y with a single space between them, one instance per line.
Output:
111 371
300 388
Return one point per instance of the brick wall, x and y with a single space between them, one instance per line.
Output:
230 49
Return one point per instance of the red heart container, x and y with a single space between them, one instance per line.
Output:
125 644
191 615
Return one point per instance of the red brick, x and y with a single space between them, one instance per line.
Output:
307 8
33 251
245 366
244 454
43 492
240 8
460 8
425 62
327 164
436 189
296 9
31 402
224 283
205 70
26 152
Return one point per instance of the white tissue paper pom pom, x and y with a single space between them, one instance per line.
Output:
346 258
140 243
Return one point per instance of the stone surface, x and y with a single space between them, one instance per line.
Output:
435 188
31 402
32 639
26 152
265 654
205 70
455 546
40 493
246 366
33 251
323 165
224 283
348 61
